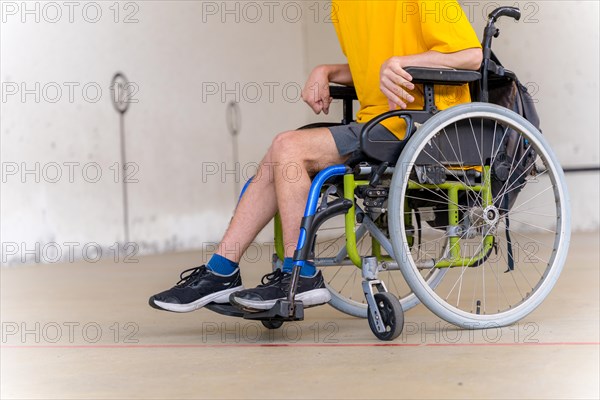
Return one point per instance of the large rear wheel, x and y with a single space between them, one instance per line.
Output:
505 251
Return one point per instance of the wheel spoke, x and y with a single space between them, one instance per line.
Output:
495 276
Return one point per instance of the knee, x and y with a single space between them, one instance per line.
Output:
285 145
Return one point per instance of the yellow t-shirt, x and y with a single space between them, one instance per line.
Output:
372 31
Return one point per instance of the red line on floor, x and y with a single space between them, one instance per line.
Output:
291 345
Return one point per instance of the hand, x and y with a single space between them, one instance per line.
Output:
393 82
316 90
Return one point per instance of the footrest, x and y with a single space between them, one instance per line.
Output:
279 312
225 309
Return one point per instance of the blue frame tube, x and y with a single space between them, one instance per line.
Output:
313 199
244 189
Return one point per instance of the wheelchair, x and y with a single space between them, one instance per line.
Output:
467 214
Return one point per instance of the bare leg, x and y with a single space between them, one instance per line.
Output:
283 182
255 209
299 155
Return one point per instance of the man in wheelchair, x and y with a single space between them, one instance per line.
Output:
380 39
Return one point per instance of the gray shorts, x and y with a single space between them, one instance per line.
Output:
347 137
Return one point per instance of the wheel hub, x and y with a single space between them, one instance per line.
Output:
491 215
480 217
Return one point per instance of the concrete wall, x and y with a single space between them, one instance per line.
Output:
186 61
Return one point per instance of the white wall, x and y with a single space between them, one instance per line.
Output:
174 51
172 133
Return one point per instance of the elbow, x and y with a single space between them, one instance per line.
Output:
473 59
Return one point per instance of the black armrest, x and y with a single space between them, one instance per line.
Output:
347 94
442 76
343 92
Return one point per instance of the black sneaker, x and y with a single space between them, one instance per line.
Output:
275 286
196 289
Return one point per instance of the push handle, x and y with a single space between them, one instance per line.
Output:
512 12
489 33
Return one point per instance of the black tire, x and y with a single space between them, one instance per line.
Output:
272 323
392 316
319 125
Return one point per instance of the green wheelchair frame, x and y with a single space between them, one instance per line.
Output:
350 184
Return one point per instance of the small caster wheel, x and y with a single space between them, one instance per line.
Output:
272 323
392 316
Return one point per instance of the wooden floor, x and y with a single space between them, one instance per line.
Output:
84 330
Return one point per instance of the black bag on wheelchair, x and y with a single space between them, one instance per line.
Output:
516 157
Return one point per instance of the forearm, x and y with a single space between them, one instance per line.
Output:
465 59
396 82
339 73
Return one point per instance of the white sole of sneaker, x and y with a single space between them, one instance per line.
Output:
311 298
218 297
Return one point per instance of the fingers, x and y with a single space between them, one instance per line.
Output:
326 103
395 93
400 76
391 76
393 71
393 99
312 100
397 89
321 105
392 105
324 98
317 107
319 100
395 82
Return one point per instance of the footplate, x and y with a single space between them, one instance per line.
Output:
281 311
225 309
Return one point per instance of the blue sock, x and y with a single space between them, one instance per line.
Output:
221 265
307 271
